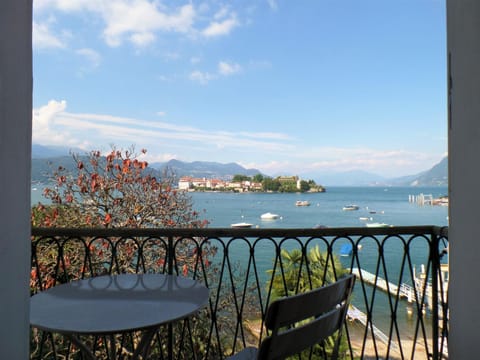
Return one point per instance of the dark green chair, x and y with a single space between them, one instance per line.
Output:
326 307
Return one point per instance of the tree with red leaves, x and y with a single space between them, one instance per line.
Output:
116 190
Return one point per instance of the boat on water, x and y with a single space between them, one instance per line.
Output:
350 207
377 225
346 250
269 216
241 225
302 203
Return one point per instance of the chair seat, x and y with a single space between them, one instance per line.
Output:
249 353
299 322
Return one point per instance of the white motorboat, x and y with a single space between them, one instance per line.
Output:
241 225
302 203
377 225
269 216
350 207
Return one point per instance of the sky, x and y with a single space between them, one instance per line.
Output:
283 86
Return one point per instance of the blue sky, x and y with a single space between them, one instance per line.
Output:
287 87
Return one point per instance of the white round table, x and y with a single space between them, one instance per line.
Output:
107 305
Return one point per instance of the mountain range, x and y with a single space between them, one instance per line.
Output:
205 169
45 159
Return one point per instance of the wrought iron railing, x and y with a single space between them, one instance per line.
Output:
399 306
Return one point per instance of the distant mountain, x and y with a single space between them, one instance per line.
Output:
43 152
205 169
346 178
436 176
43 168
47 158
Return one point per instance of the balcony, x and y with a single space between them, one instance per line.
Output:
399 306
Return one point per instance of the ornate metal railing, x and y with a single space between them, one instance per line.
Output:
399 306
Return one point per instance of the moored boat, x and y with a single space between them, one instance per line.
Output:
350 207
364 218
241 225
377 225
302 203
346 250
269 216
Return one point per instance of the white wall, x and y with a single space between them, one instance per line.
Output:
463 24
15 144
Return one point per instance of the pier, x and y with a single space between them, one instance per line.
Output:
421 199
405 291
355 314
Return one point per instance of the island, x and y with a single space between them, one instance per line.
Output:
257 183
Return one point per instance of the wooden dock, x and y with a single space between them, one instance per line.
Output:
421 199
405 291
357 315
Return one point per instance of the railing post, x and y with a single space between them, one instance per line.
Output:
170 272
435 273
170 255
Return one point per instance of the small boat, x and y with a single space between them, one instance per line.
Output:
269 216
364 218
377 225
346 250
241 225
350 207
302 203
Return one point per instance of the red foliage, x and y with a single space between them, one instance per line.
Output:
115 191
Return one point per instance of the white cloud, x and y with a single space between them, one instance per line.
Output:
224 27
151 158
53 125
270 152
93 57
266 135
66 5
142 39
135 21
46 129
221 14
140 19
226 69
201 77
43 37
223 69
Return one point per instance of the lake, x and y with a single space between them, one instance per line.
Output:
383 205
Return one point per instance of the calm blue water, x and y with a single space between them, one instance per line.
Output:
390 204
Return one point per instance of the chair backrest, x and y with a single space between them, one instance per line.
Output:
326 307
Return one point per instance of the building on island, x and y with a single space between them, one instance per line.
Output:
190 183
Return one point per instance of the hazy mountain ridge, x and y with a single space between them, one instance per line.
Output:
205 169
43 165
45 152
43 168
436 176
